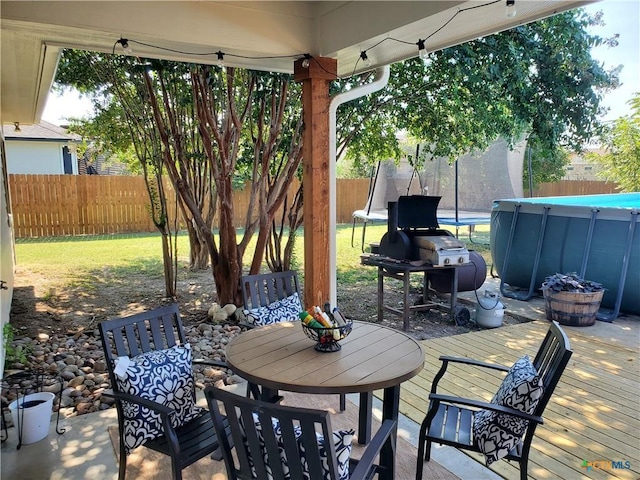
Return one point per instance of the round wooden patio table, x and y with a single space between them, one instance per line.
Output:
282 357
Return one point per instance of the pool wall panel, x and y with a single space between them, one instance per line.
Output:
565 240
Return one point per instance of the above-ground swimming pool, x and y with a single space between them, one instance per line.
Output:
597 236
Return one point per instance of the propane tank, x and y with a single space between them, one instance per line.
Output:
490 310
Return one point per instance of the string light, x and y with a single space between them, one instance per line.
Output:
422 50
365 60
125 45
511 8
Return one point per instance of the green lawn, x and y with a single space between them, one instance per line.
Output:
126 254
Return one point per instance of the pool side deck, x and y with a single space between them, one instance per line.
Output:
594 414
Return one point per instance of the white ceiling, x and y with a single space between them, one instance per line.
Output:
35 32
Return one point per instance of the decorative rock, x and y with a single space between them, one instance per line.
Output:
213 309
78 361
67 375
74 382
220 316
83 408
229 309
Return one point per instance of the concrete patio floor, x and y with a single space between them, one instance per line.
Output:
84 451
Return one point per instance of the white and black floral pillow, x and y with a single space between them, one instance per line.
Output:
285 310
496 434
166 377
342 440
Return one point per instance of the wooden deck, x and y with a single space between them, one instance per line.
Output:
594 414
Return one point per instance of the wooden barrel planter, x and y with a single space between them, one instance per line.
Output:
576 309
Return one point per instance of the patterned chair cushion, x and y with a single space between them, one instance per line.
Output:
166 377
342 440
496 434
285 310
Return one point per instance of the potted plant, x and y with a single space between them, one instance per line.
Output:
571 300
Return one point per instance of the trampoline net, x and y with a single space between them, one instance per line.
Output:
392 181
482 178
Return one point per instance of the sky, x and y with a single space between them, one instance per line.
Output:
620 16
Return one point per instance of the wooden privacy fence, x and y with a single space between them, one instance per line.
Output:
575 187
58 205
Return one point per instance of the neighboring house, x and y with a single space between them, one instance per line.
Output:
42 148
581 169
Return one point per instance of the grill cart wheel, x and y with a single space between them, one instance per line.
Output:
462 316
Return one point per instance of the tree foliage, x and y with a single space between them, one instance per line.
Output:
537 80
621 161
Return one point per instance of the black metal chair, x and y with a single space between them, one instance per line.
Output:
153 331
450 419
264 289
263 433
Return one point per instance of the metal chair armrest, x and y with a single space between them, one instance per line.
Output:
373 449
127 397
446 360
481 405
475 363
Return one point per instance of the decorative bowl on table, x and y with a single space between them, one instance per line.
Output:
327 338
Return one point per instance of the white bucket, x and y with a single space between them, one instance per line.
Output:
34 420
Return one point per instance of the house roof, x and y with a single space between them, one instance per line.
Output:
39 131
262 35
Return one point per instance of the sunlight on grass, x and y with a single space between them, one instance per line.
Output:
119 256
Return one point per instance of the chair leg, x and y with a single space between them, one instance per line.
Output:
353 230
343 402
122 467
364 231
524 463
175 468
424 448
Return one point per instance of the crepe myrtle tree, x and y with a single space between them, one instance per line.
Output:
209 130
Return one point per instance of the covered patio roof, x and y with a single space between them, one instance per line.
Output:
263 35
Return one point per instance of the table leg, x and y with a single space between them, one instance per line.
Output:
390 409
269 395
380 292
364 418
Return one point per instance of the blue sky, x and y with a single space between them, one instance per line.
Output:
623 17
620 16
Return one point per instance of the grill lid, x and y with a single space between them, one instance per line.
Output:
418 211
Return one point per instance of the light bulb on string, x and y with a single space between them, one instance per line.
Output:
305 62
125 46
511 8
422 50
220 59
365 60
